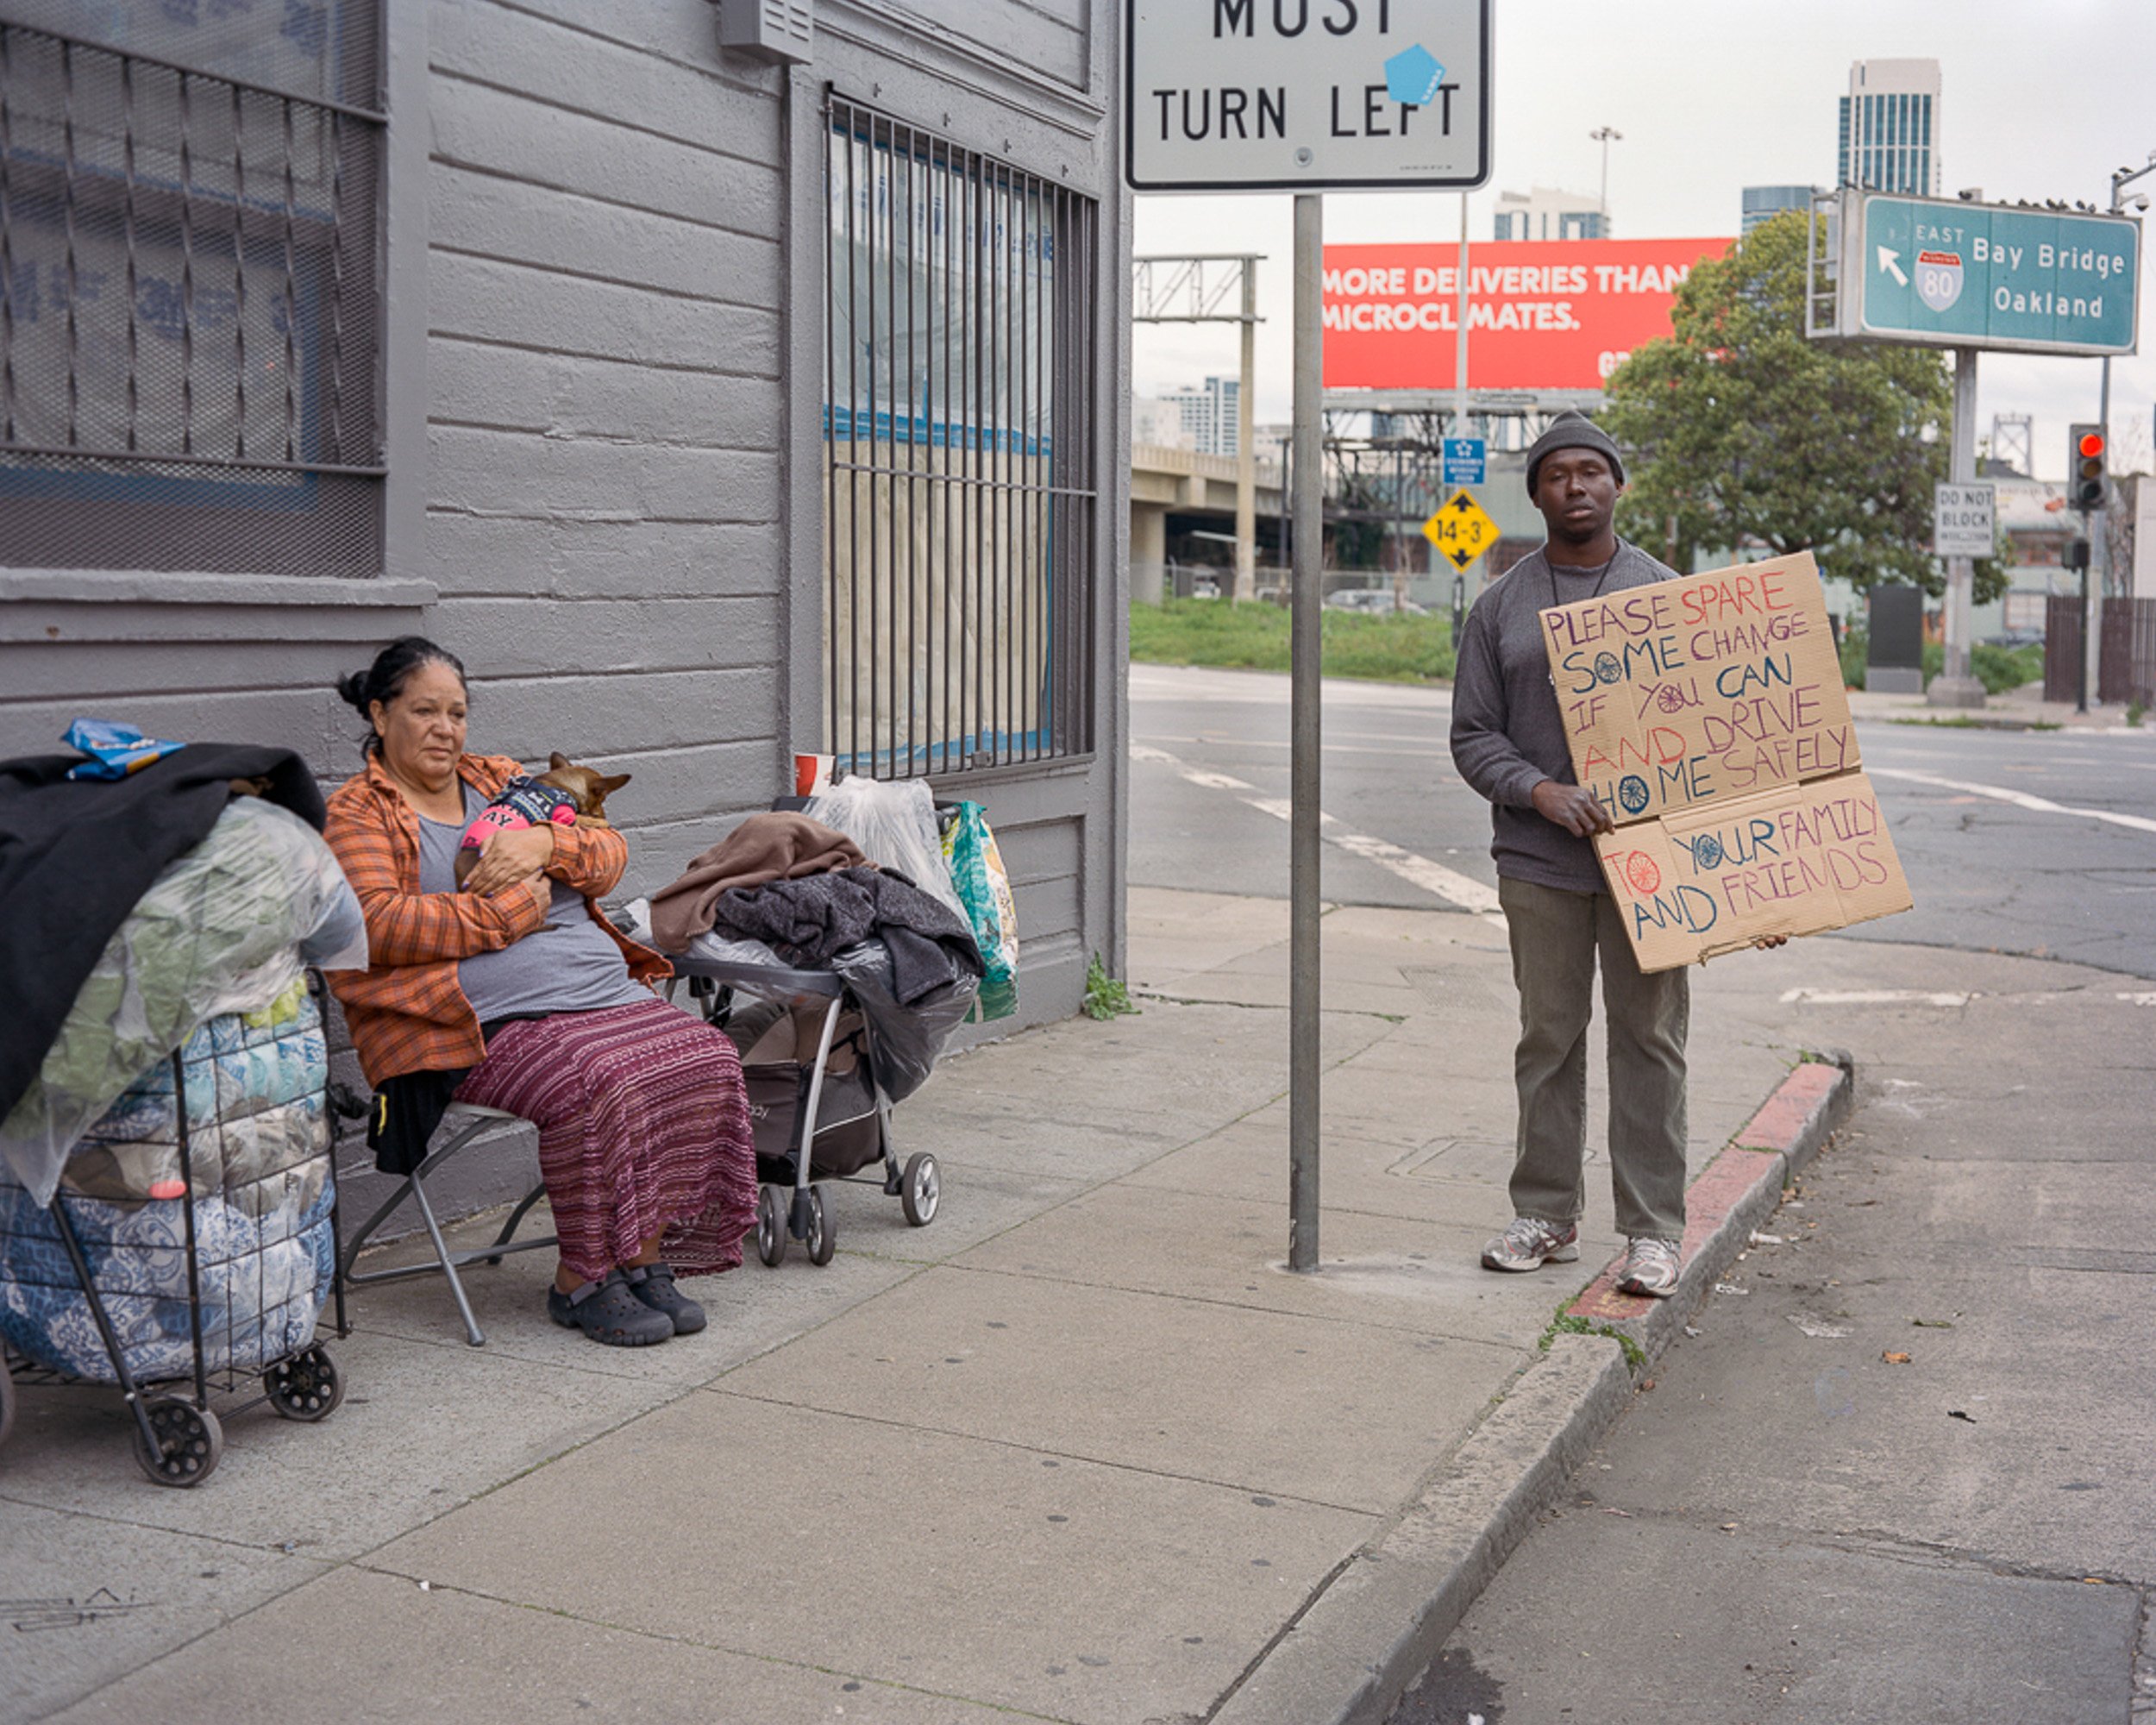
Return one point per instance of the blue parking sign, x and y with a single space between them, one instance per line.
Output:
1465 460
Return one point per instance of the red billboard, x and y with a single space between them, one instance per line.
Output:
1542 314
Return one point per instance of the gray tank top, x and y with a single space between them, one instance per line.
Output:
568 966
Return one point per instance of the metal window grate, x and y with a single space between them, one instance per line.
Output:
190 287
961 508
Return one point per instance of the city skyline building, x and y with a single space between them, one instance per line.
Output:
1764 203
1546 212
1207 414
1889 128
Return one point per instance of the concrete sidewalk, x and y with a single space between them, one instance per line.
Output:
1081 1450
2018 708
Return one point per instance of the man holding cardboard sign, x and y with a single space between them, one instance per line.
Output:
1509 742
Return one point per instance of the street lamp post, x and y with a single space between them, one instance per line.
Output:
1604 135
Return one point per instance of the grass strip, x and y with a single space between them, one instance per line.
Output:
1255 638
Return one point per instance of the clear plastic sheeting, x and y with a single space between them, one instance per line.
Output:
895 826
225 929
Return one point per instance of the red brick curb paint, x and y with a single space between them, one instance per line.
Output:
1747 1175
1720 1188
1782 1118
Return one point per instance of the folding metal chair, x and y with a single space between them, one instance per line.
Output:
468 1121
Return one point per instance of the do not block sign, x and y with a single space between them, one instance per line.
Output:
1707 716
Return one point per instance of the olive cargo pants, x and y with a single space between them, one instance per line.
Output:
1555 937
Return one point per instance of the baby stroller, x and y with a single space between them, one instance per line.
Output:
809 1058
828 1047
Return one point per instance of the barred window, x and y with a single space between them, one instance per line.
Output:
190 286
960 500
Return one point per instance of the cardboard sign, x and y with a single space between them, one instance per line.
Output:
1707 716
1715 685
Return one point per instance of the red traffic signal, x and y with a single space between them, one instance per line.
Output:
2084 467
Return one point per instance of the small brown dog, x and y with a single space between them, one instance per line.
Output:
564 795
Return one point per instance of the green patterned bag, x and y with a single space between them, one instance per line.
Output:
984 889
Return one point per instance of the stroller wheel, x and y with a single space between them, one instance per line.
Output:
189 1442
770 1227
823 1235
920 1189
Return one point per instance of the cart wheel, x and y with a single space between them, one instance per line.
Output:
188 1441
770 1227
823 1236
921 1189
306 1387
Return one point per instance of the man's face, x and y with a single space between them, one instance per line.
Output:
1577 492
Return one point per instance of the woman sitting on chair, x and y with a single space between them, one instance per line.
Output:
644 1137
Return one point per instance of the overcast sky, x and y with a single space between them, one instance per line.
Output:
2040 98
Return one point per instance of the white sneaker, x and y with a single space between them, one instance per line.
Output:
1651 1268
1530 1243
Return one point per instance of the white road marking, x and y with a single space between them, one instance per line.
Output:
2138 999
1873 997
1269 689
1433 878
2019 799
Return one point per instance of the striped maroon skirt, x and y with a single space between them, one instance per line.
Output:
644 1129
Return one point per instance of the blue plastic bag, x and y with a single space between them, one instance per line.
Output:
114 750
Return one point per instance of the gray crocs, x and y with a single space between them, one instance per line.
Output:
609 1313
653 1284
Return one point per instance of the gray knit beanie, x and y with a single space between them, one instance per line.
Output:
1572 430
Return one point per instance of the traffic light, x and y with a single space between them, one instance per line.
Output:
2084 467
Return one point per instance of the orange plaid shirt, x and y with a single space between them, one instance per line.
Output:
406 1012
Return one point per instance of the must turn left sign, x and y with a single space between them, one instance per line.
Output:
1462 531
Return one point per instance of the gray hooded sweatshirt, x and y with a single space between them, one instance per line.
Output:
1506 735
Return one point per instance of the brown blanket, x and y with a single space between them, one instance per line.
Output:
763 849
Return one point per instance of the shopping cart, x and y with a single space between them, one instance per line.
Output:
191 1244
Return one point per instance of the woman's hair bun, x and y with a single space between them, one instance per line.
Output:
383 680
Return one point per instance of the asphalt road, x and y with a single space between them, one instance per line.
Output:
1211 784
1898 1473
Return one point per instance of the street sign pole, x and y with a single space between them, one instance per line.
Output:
1238 96
1246 454
1954 686
1460 350
2095 576
1305 662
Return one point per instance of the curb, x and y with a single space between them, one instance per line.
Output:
1733 1195
1382 1619
1371 1631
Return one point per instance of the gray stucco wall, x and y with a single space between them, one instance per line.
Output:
603 359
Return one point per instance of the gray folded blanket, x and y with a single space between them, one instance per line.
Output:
807 920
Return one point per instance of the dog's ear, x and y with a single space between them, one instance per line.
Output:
612 782
557 761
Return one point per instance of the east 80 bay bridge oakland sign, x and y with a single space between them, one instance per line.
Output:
2002 278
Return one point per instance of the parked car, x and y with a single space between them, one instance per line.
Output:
1375 600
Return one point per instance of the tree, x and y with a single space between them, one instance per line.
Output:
1738 430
